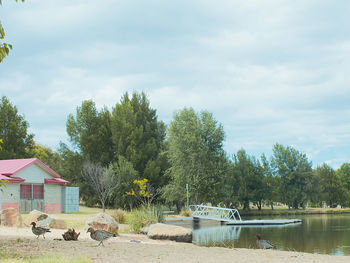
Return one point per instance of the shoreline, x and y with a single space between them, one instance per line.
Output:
139 248
295 212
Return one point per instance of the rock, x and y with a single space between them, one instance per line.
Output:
10 217
102 221
170 232
144 230
58 223
44 220
34 216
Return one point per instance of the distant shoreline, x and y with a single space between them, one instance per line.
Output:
286 212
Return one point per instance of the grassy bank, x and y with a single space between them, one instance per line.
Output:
286 211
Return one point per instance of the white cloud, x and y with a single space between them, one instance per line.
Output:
270 71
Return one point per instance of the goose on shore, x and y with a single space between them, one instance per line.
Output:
264 244
99 235
39 230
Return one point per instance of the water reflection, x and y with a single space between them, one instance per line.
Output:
326 234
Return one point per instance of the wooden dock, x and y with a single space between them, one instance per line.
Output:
264 222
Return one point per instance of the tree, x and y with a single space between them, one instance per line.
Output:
271 182
139 137
48 156
125 174
249 175
17 142
195 155
330 184
90 133
343 173
100 179
4 47
295 172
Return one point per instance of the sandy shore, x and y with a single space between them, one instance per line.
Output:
138 248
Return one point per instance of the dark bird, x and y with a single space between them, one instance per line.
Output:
264 244
39 230
99 235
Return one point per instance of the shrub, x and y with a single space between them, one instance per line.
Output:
119 216
144 216
186 213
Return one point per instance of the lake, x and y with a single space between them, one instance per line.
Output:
324 234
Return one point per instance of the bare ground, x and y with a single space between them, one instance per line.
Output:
138 248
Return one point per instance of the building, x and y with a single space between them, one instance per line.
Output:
30 184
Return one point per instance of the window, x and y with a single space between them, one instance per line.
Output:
38 192
26 191
29 191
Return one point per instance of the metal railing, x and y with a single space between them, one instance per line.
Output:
215 213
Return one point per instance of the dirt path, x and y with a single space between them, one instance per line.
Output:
138 248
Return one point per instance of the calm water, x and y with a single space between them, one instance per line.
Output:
326 234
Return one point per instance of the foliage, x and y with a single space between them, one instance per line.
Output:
4 47
124 173
295 172
144 194
17 142
329 184
186 213
196 157
101 180
144 216
139 137
48 156
119 216
343 173
90 133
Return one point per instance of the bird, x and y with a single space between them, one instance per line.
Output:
264 244
99 235
39 230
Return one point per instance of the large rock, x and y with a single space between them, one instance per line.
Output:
44 220
104 222
10 217
170 232
58 223
35 216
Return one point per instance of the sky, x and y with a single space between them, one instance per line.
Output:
270 71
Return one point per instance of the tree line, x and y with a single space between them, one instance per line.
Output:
128 144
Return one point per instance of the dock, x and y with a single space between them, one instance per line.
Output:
263 222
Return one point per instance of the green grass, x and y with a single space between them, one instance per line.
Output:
143 216
6 257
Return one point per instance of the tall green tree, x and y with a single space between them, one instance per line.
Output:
17 141
343 174
294 169
272 183
48 156
124 173
139 137
330 184
250 178
90 132
196 157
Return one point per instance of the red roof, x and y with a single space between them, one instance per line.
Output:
8 168
55 181
11 179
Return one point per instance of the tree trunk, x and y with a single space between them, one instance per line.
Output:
258 204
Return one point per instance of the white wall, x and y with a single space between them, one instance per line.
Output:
33 174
